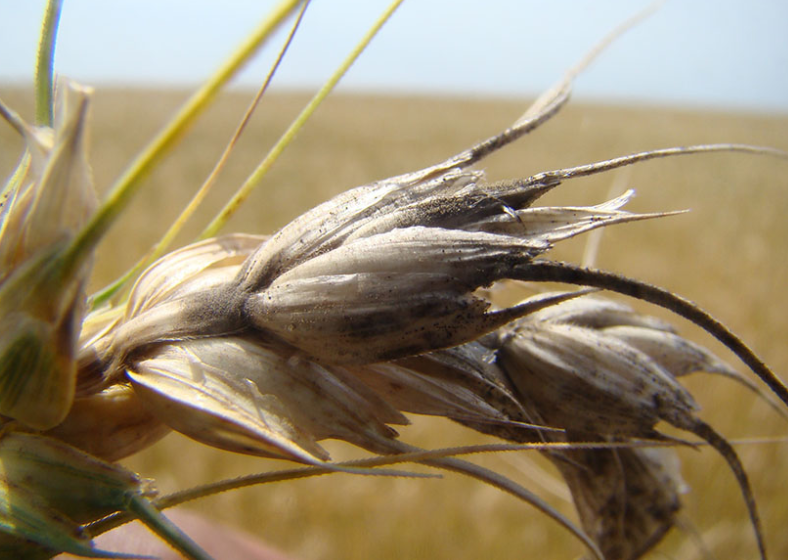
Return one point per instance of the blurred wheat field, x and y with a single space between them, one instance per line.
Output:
728 254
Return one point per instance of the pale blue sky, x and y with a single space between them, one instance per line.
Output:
707 53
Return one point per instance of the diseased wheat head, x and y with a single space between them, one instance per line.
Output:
369 306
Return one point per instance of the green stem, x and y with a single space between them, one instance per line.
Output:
166 529
45 63
176 227
254 179
128 184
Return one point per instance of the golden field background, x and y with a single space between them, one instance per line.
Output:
728 254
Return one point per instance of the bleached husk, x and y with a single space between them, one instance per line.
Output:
235 394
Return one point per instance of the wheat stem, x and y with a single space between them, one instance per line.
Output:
254 179
45 63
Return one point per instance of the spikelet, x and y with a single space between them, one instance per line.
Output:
47 489
108 418
396 279
51 195
458 383
238 395
172 298
627 499
110 424
462 383
584 381
41 290
593 383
